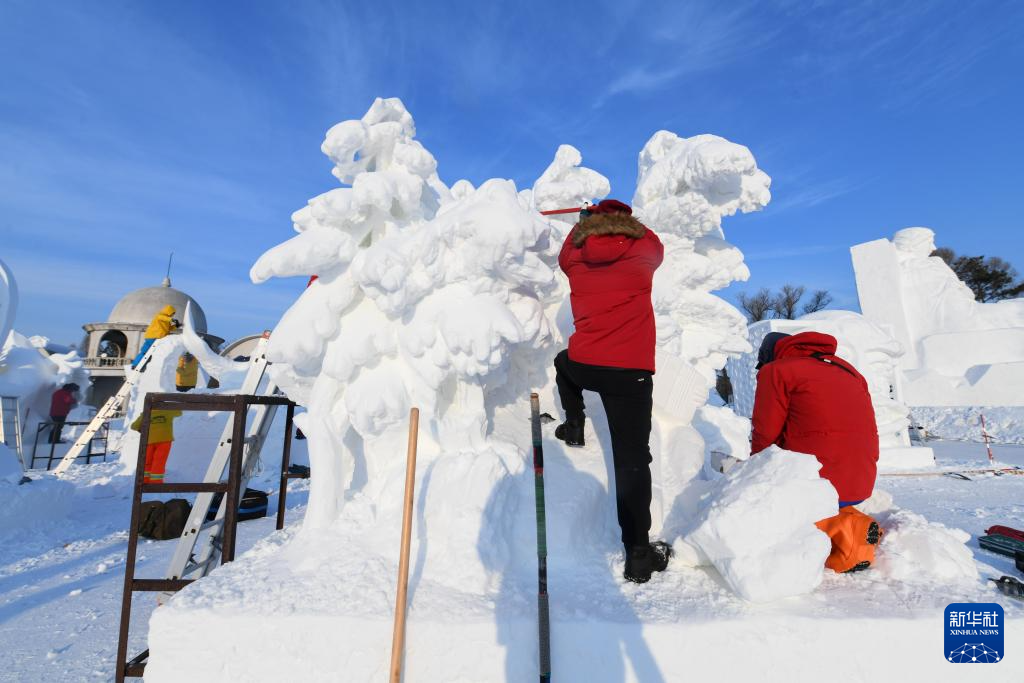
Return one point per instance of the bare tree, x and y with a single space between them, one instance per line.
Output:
757 306
819 300
786 301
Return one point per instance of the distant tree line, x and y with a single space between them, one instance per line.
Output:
991 278
784 304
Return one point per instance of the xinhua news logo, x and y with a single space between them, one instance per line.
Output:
974 633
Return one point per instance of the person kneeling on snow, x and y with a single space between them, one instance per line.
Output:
610 259
158 446
809 400
163 324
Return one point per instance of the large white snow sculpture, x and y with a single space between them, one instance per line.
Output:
423 298
958 351
684 189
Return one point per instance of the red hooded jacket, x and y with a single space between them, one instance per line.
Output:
610 275
821 406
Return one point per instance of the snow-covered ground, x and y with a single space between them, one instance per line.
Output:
60 584
61 581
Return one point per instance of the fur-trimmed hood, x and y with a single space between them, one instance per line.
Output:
607 224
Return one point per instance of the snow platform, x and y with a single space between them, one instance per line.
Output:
317 606
263 618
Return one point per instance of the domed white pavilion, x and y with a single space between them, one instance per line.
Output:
113 344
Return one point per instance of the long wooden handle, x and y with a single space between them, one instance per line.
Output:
398 639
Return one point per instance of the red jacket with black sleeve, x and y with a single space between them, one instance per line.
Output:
610 260
809 400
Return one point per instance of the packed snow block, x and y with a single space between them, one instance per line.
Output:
679 389
756 525
917 551
954 353
904 459
876 270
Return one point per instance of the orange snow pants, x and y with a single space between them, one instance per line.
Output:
854 537
156 462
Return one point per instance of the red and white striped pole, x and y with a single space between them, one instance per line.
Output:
984 434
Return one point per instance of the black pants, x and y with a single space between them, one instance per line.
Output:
627 399
58 426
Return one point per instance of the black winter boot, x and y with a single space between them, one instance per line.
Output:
643 560
571 432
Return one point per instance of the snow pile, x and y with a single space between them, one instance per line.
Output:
756 526
959 352
917 551
40 500
1004 424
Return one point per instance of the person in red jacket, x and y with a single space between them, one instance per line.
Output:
62 403
811 401
610 258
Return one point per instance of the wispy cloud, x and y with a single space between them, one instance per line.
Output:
685 39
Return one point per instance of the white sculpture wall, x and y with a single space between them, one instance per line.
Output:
959 352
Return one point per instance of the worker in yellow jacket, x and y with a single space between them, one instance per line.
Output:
187 374
163 324
158 446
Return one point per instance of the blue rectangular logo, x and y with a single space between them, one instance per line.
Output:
974 633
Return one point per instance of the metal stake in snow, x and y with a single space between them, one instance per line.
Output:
543 617
398 639
984 434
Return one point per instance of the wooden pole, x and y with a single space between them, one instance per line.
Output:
398 639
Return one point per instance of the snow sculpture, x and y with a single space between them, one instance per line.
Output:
685 187
422 298
450 300
876 355
958 351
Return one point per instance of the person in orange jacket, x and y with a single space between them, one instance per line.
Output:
158 447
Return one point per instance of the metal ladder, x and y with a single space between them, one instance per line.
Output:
238 453
10 426
109 410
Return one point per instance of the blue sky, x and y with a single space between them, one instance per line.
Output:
132 129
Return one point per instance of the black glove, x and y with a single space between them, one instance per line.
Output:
175 322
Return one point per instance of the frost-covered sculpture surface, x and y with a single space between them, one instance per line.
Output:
958 351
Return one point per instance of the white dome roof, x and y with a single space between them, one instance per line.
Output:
141 305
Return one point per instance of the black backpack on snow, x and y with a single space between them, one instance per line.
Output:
161 520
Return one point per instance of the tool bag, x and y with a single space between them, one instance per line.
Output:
252 506
162 520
